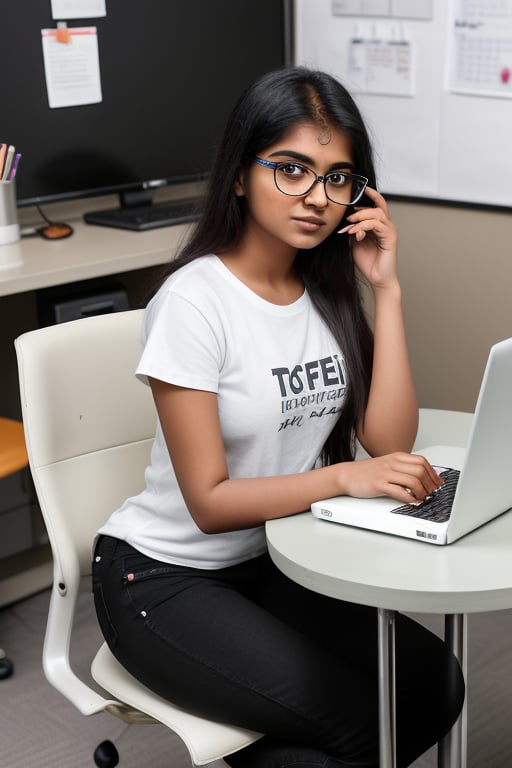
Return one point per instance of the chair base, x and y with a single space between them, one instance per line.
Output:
6 666
106 755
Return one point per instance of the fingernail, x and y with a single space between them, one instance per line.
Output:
345 229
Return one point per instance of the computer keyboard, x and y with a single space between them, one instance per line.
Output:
146 216
438 506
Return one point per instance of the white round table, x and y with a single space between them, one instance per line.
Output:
474 574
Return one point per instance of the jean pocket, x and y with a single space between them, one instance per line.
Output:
131 576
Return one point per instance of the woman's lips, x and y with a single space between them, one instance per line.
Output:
309 223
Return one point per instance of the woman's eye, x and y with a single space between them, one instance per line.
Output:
292 169
337 179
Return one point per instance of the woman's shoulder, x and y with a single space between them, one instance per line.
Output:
189 281
186 276
192 288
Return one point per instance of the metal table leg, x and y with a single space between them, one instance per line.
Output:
387 695
452 750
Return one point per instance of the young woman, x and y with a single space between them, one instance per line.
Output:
264 371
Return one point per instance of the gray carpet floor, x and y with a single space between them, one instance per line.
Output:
39 729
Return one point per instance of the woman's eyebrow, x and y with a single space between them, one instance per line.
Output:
309 160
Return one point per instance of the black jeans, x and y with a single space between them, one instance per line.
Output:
247 646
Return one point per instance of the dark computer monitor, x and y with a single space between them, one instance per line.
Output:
171 70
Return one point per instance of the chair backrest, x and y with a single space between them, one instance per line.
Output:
89 424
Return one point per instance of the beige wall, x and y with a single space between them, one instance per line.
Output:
455 266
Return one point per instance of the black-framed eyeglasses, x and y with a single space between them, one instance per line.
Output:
295 179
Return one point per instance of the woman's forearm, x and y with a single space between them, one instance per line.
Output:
248 502
391 418
233 504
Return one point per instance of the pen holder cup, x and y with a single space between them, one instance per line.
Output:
9 225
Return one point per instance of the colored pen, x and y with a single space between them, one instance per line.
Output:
14 166
8 162
3 149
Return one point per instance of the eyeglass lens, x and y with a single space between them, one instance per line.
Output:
298 180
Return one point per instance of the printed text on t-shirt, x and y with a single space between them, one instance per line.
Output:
309 385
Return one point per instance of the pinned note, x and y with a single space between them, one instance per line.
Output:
72 70
78 9
480 49
381 65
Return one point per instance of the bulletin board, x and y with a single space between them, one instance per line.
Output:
433 79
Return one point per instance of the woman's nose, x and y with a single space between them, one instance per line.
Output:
316 195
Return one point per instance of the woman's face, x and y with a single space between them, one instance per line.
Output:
301 222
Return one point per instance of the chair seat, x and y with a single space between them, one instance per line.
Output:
206 740
13 452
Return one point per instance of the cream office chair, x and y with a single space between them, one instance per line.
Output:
89 426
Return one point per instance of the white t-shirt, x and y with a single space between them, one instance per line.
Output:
280 380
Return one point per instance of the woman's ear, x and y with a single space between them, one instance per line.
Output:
238 187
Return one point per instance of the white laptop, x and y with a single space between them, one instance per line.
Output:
483 490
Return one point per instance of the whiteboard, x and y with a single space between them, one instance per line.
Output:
434 142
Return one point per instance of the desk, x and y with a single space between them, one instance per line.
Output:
393 574
91 251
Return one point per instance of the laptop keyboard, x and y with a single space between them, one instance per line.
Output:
438 506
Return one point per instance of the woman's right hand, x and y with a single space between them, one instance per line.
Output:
407 477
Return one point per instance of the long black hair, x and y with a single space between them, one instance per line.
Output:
272 105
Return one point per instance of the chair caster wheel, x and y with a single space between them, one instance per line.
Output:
106 755
6 668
